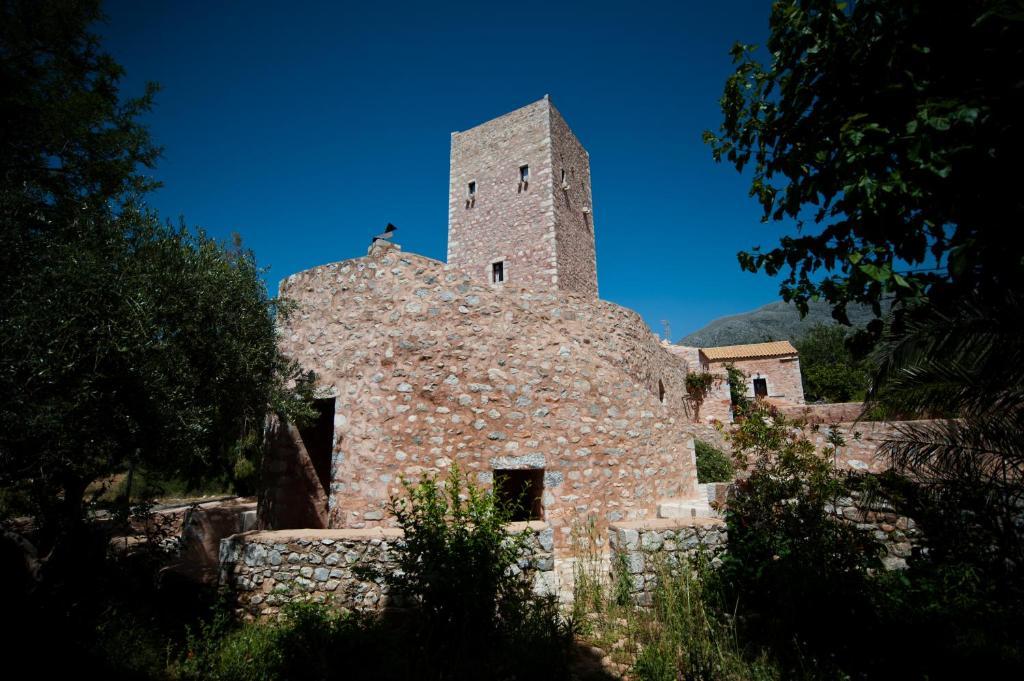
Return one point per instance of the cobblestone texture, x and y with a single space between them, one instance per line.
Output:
266 570
431 367
645 546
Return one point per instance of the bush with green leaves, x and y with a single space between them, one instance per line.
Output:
737 390
310 642
828 368
799 569
698 385
713 465
463 571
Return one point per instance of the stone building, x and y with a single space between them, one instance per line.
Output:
772 369
502 361
519 204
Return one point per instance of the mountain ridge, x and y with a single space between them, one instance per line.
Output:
777 320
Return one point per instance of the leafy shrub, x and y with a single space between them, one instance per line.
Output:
698 385
462 569
309 641
713 465
802 571
741 404
828 368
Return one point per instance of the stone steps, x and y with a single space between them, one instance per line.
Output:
685 508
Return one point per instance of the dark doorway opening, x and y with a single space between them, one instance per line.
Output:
760 387
318 436
520 491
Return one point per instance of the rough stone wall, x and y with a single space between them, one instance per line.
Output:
431 367
863 439
839 412
574 210
266 570
537 229
898 534
507 220
781 373
646 546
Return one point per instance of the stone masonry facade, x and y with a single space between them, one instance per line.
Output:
781 374
429 367
519 200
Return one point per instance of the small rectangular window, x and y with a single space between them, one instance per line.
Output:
524 173
563 175
472 189
521 493
497 272
760 387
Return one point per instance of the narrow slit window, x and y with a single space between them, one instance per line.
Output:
497 272
524 173
661 392
472 190
563 175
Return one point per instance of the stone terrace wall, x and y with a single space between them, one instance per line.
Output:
267 570
898 534
431 367
840 412
644 545
859 453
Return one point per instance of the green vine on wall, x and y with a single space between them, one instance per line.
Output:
698 385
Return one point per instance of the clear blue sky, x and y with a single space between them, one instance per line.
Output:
306 127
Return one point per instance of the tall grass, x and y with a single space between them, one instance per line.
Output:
684 632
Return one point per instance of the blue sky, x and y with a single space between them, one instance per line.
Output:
306 127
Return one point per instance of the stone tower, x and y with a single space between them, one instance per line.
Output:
519 204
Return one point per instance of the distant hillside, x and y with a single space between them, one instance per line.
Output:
774 321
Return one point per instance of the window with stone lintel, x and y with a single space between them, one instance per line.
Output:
521 491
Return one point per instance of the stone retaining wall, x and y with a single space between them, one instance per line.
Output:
643 545
267 570
897 533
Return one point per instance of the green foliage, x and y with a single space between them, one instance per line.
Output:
688 635
68 136
685 632
461 567
125 343
622 581
309 642
967 364
829 371
888 132
792 561
741 404
698 385
713 465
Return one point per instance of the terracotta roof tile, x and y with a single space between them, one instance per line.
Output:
771 349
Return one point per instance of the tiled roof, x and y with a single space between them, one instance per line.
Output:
772 349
